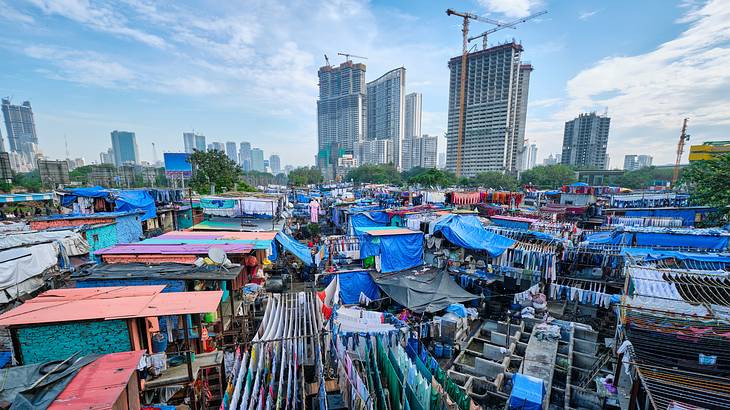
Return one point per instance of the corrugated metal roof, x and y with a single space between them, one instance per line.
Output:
172 249
79 304
98 385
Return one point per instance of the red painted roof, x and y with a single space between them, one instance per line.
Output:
71 305
99 384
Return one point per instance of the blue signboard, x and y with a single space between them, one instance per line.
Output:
176 163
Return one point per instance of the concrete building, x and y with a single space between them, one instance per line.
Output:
442 160
124 146
374 152
585 140
708 150
20 130
420 152
275 164
553 159
412 121
529 157
386 111
494 113
218 146
244 156
341 106
231 151
257 160
636 162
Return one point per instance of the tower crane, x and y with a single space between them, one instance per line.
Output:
683 137
510 24
327 60
466 16
347 56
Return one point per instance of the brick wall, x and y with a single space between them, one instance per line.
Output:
58 223
59 341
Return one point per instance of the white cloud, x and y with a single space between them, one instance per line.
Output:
14 15
585 15
649 94
511 8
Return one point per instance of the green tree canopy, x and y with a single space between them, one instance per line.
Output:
431 177
375 174
31 181
494 179
214 167
709 183
305 176
548 176
644 177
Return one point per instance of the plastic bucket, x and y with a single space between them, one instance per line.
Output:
438 349
448 350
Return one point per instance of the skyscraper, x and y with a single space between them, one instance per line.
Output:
386 111
341 106
495 110
374 152
412 126
244 156
231 151
218 146
189 142
257 160
585 140
20 127
529 157
124 145
275 164
442 160
420 152
637 162
193 141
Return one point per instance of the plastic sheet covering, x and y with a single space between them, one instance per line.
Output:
527 392
650 255
73 242
88 192
716 239
397 252
467 232
354 283
299 250
127 201
19 264
430 291
368 219
17 382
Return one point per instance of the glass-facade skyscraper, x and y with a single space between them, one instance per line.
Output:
386 110
20 129
341 106
124 145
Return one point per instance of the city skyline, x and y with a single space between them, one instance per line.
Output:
235 82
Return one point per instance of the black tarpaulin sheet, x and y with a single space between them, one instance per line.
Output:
422 291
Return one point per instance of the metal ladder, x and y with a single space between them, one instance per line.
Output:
601 361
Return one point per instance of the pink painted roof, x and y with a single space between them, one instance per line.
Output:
513 218
70 305
99 384
388 232
264 236
172 249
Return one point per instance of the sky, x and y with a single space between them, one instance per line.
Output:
247 70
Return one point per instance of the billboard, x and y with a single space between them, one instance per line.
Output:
176 163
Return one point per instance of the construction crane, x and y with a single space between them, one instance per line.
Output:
347 56
683 137
464 53
511 24
327 60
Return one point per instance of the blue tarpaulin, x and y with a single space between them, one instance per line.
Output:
397 252
527 392
467 232
511 223
650 237
368 219
353 283
651 255
89 192
688 215
136 200
299 250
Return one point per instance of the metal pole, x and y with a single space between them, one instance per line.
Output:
189 363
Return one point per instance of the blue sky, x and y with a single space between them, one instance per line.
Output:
247 70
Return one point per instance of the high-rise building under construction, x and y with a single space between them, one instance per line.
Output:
495 110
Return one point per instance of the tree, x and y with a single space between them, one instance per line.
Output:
375 174
709 183
214 167
305 176
496 180
549 176
31 181
644 177
430 177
